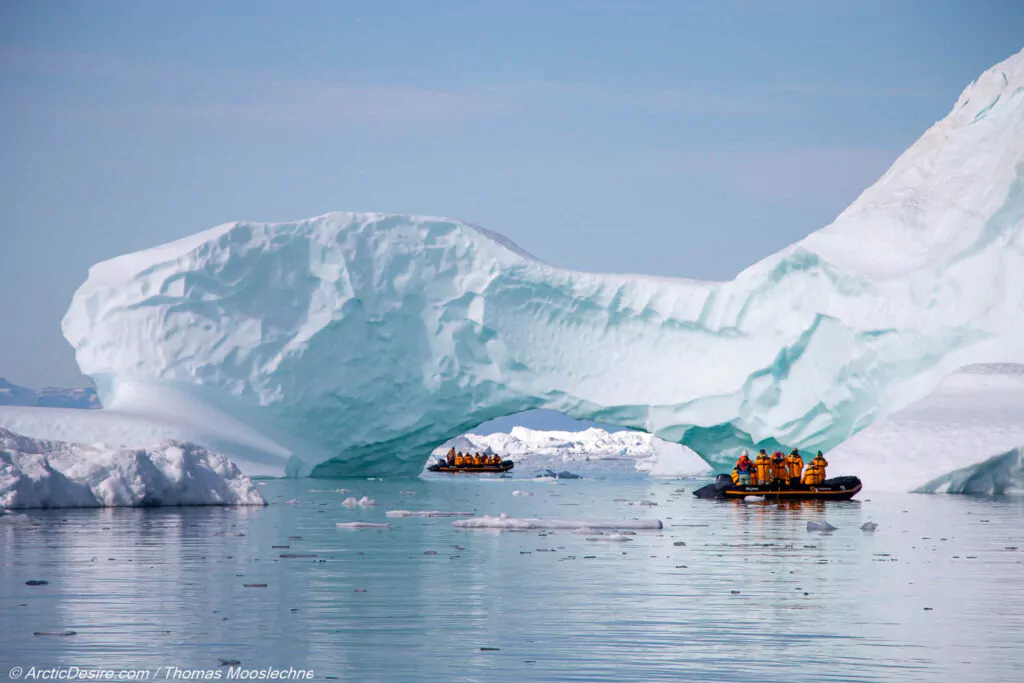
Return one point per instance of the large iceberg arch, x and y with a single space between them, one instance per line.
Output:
359 342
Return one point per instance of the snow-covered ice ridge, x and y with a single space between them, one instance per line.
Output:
361 341
54 474
541 447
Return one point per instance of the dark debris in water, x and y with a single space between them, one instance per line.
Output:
36 582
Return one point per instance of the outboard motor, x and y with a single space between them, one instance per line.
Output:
716 490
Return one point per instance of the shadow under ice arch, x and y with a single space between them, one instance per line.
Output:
358 342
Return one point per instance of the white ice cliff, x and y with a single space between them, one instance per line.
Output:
965 437
359 342
54 474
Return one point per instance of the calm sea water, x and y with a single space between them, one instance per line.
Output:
935 594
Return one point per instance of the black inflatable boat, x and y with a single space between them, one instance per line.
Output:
442 466
838 488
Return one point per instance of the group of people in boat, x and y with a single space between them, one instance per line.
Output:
779 469
454 459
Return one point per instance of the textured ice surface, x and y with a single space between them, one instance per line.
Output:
359 342
532 447
504 522
965 437
53 474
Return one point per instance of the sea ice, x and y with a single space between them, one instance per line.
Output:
426 513
820 526
512 523
362 525
53 474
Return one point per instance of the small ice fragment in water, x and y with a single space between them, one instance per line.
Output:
618 538
293 501
512 523
820 526
363 502
753 499
426 513
362 525
868 526
517 492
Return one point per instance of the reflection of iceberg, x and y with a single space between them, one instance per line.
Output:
966 437
365 340
53 474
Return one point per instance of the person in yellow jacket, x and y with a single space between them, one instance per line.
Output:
811 474
795 464
764 467
779 471
820 463
459 460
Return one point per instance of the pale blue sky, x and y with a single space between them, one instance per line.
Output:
672 138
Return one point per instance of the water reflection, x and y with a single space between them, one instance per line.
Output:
750 596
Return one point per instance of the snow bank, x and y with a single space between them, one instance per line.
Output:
54 474
965 437
505 522
378 336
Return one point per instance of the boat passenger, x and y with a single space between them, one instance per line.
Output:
820 463
744 468
478 459
796 465
450 460
495 459
779 471
459 460
764 467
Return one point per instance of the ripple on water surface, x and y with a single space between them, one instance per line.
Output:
729 591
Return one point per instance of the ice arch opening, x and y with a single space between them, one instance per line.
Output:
542 440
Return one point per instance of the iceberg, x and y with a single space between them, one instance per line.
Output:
356 343
54 474
965 437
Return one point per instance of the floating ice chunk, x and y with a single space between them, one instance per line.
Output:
753 499
362 525
363 502
518 492
820 526
293 501
505 522
614 538
868 526
646 503
426 513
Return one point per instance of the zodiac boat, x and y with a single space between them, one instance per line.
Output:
837 488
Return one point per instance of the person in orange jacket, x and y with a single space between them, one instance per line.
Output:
778 467
764 467
795 463
820 463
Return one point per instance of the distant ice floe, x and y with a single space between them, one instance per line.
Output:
505 522
36 473
519 492
362 525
